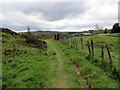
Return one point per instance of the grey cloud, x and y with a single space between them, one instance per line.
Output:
50 11
56 15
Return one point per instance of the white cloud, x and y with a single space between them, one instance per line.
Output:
60 17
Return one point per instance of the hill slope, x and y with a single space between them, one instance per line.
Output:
23 66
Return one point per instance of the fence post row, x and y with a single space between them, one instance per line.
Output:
91 48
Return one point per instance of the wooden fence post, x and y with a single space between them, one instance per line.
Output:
102 52
75 43
72 42
89 50
110 58
55 36
92 45
68 41
82 43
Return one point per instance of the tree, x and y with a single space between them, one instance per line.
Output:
101 28
28 30
116 28
97 27
91 31
106 31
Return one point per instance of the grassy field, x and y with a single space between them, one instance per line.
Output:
95 76
113 44
60 65
23 66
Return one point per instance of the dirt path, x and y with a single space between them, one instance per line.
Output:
60 80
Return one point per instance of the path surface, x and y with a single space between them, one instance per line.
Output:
59 78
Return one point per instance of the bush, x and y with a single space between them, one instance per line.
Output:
8 31
105 31
41 44
116 28
32 39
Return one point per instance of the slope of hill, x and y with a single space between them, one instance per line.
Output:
6 30
21 63
63 64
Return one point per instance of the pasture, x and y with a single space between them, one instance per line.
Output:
63 64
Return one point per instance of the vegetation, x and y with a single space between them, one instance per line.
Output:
99 40
30 62
22 62
106 31
97 60
97 77
116 28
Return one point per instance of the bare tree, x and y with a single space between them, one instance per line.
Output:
28 30
97 27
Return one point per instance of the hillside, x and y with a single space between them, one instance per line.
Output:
62 64
51 34
21 62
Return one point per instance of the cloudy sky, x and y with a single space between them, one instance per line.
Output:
58 15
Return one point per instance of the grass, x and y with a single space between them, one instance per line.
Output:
23 66
26 71
28 67
61 69
113 43
96 77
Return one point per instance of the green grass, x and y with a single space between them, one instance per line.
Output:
96 77
56 71
25 71
23 66
28 67
113 43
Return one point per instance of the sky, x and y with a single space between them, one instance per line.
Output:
58 15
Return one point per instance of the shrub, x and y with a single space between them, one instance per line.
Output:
105 31
32 39
41 44
6 30
116 28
